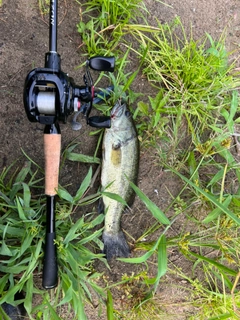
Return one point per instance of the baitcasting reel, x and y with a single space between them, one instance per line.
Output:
51 96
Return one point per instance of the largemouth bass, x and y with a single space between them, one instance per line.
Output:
120 159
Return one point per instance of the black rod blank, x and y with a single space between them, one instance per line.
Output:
53 21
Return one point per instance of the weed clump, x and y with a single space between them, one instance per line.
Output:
194 77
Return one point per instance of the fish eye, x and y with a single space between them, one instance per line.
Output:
127 113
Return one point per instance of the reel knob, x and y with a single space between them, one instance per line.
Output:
102 63
99 122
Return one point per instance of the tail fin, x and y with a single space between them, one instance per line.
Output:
115 245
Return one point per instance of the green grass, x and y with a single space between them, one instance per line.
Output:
22 225
210 299
112 12
104 22
44 6
197 102
194 79
189 124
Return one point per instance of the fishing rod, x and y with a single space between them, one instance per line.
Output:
50 96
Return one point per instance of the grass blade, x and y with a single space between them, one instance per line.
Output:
20 210
72 232
114 196
84 185
218 265
67 296
110 314
82 158
54 316
64 194
156 212
222 317
162 260
138 260
210 197
29 294
215 213
3 315
19 179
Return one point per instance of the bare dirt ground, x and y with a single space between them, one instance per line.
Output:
23 44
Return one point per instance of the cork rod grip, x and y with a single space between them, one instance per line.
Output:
52 150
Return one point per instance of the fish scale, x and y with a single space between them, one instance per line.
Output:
120 160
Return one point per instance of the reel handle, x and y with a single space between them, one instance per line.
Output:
102 63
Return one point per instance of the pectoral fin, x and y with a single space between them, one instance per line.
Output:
100 208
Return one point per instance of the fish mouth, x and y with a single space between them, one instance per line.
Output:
118 109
